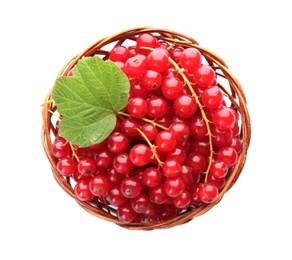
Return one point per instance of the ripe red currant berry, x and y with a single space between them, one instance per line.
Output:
135 66
236 144
137 89
204 76
99 185
66 166
131 187
87 167
172 87
212 97
218 169
117 143
115 196
165 141
113 177
151 80
208 192
157 60
119 53
167 212
126 213
128 127
157 194
189 179
198 128
197 162
171 167
149 130
219 182
228 155
122 164
224 117
190 59
82 190
157 107
103 158
146 40
178 153
151 176
182 201
137 107
61 149
175 53
173 186
185 106
221 137
181 131
140 203
152 212
140 155
133 50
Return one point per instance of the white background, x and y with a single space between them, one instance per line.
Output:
38 220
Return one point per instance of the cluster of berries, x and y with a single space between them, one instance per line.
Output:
173 145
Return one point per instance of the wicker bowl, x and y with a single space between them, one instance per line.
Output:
226 81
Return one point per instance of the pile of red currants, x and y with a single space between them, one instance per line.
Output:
173 145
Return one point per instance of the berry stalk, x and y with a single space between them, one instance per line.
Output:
194 95
152 147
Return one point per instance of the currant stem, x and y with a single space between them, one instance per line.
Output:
152 147
201 107
145 120
73 152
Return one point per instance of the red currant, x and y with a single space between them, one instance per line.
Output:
99 185
66 166
212 97
157 107
137 107
61 149
218 169
173 186
208 192
140 203
140 155
171 87
82 190
126 213
146 40
185 106
171 167
157 60
117 143
131 187
204 76
228 155
165 141
151 176
151 80
135 66
224 117
190 59
119 53
122 164
87 167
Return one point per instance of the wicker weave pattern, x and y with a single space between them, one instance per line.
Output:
231 88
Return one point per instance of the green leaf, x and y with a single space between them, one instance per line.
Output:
90 100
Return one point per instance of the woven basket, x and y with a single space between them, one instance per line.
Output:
232 89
